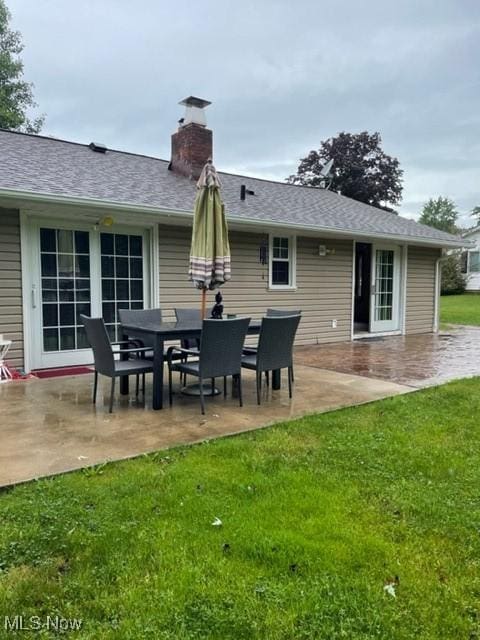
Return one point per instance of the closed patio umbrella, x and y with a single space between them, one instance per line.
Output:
210 250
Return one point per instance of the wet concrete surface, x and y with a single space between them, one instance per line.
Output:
50 426
418 361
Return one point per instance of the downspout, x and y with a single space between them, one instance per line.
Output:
438 282
404 289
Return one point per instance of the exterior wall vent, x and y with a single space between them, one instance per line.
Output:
98 147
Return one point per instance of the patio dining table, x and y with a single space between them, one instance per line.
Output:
158 333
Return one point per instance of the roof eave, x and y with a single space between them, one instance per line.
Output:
471 232
36 196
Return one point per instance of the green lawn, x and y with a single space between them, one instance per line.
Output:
464 309
318 514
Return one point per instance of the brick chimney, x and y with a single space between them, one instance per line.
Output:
192 144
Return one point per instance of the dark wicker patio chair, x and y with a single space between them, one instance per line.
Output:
189 315
191 344
220 355
275 346
104 358
279 313
274 313
133 316
127 316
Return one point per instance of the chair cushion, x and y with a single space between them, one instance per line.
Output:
137 365
249 361
190 367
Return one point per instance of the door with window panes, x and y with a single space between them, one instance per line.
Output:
122 277
385 289
82 271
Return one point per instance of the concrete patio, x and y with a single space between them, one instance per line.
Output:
50 426
418 360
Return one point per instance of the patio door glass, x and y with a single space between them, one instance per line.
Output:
65 288
74 271
384 312
122 277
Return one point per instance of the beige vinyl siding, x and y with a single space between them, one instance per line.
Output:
421 289
323 293
11 319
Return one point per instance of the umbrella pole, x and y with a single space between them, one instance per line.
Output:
208 388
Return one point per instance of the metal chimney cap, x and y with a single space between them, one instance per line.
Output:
192 101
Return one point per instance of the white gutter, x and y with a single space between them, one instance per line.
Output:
185 214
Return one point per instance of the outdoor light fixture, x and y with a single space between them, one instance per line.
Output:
106 221
324 251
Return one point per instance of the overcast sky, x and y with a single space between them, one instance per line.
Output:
281 75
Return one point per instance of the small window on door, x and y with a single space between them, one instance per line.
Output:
282 262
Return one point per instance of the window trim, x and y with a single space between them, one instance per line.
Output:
292 262
469 261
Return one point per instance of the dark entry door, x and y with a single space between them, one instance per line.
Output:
363 268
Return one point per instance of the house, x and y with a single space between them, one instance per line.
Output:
472 260
86 229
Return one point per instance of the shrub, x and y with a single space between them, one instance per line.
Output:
453 280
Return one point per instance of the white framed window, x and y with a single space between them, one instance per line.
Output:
282 259
474 261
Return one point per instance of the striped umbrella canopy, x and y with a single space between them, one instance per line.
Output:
210 264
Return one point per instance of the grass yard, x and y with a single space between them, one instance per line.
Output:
463 309
318 515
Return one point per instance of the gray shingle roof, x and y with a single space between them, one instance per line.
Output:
36 164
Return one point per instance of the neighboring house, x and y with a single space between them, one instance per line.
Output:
84 229
472 260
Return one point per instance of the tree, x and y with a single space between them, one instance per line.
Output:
16 95
476 213
440 213
361 169
453 280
